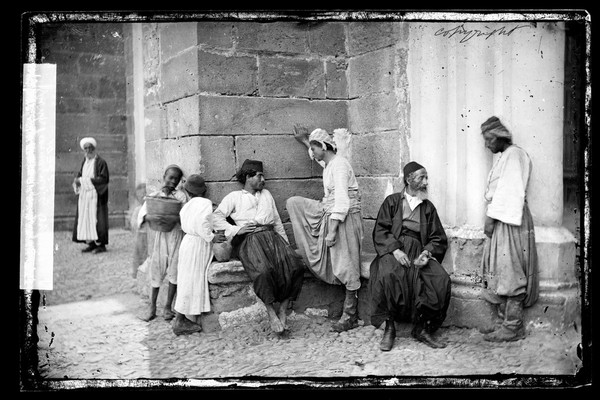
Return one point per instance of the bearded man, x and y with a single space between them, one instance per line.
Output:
407 282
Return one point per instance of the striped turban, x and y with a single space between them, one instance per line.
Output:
321 136
494 127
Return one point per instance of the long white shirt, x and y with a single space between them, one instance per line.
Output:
338 179
195 256
87 202
244 207
507 185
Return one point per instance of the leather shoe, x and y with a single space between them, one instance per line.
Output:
425 337
91 247
389 335
99 249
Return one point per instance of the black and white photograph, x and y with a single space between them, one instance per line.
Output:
310 199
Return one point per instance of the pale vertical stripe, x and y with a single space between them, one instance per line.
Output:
37 178
454 171
138 104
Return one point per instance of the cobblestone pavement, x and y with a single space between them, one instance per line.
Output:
88 329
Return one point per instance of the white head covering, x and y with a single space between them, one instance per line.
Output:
321 136
85 140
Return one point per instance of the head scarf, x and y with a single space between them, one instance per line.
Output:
195 184
496 128
321 136
85 140
410 168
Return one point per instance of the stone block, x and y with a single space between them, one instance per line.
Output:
179 76
111 87
69 105
376 154
282 156
463 256
118 201
366 36
117 124
68 162
373 72
277 37
232 271
227 74
468 310
81 124
177 37
378 112
250 115
215 34
185 152
65 203
217 190
367 243
318 294
155 123
283 77
231 296
217 161
94 63
108 106
335 80
182 117
327 39
373 192
556 254
117 162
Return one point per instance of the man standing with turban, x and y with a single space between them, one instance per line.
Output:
509 263
329 232
260 242
91 185
407 282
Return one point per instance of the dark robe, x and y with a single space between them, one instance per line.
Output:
100 182
408 294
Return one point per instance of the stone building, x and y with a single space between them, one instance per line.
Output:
207 94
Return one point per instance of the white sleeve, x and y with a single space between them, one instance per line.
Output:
509 197
220 215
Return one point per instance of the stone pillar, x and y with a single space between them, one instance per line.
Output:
455 85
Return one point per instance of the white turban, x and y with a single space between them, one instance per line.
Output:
321 136
85 140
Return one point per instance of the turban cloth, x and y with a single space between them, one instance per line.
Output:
252 164
195 184
85 140
321 136
494 127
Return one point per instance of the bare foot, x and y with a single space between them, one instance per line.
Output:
148 315
184 326
276 324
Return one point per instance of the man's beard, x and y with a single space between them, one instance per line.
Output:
422 194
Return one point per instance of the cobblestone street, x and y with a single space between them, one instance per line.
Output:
88 329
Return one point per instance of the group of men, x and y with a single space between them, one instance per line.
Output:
407 282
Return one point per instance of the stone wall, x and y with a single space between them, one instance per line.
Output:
90 102
216 93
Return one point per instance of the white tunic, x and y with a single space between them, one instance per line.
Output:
87 203
195 256
507 185
244 207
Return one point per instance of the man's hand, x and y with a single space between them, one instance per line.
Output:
330 239
401 257
423 258
301 134
248 228
219 237
488 227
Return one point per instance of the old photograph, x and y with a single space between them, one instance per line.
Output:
315 199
